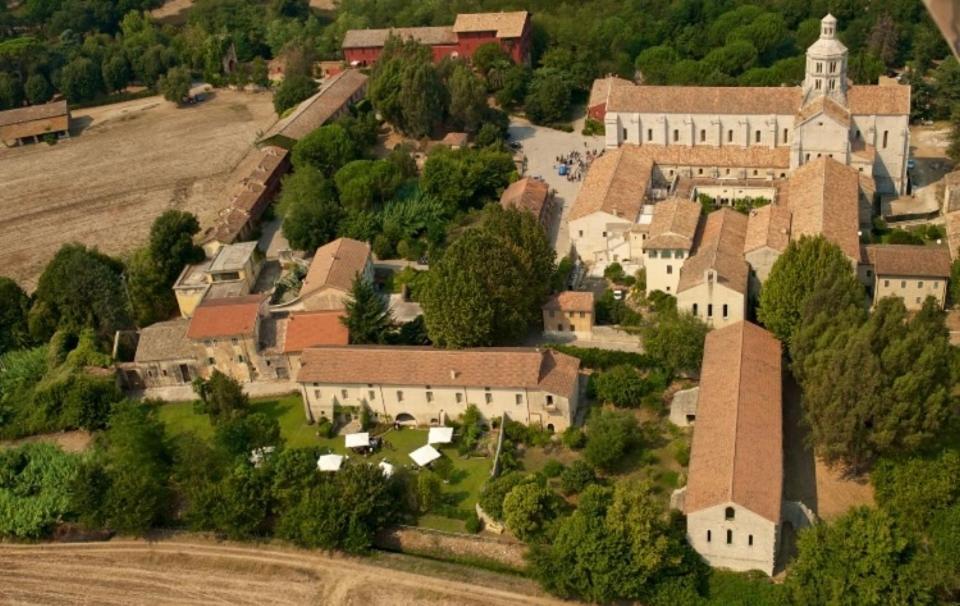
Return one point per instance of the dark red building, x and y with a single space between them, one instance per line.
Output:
511 30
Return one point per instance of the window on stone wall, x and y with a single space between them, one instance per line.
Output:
729 537
709 310
676 135
729 513
624 134
885 133
919 284
730 136
903 283
459 397
785 135
429 396
399 396
649 134
488 398
756 137
519 398
371 395
695 309
724 310
819 67
709 536
703 135
669 269
750 540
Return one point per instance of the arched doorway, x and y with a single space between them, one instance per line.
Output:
405 418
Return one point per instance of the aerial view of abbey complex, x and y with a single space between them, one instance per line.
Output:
487 302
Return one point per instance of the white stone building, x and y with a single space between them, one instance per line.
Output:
714 282
733 497
426 386
670 239
864 126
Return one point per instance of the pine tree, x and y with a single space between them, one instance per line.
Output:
368 319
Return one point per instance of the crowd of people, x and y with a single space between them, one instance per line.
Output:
576 163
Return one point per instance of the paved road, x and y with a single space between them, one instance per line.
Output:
541 146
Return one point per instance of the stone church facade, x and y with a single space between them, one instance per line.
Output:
863 126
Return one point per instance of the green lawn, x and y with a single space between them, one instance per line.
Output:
464 486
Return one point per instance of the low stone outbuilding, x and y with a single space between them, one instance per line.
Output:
34 122
164 357
569 313
529 194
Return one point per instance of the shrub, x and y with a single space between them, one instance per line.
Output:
621 385
610 435
576 477
491 498
602 359
473 523
681 452
574 438
553 468
324 428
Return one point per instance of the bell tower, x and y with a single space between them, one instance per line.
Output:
826 72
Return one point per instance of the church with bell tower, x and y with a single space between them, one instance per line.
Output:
768 132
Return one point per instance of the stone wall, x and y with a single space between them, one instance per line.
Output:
452 546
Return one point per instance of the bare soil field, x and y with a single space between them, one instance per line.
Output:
194 571
125 164
70 441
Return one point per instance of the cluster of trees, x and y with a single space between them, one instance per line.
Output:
136 478
488 286
689 42
422 99
83 50
873 384
336 191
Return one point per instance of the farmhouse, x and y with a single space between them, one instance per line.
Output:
865 127
226 334
911 273
334 267
512 31
569 313
32 123
333 100
232 272
529 194
164 356
733 495
420 385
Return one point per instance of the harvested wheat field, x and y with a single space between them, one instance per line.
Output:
125 164
188 571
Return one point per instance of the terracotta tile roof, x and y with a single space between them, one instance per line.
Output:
601 87
510 368
825 199
315 111
455 139
376 38
733 157
720 249
336 264
674 224
310 329
908 260
571 300
506 25
824 105
615 183
768 226
233 317
784 100
44 111
737 450
952 220
164 341
526 194
867 100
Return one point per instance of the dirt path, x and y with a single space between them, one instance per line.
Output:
70 441
186 571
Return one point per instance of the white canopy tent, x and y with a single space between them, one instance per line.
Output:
357 440
440 435
424 455
330 462
386 468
